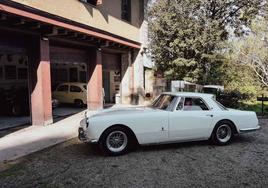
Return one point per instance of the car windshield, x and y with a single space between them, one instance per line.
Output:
163 102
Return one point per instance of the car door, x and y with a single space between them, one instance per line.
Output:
61 93
153 127
191 120
75 93
150 127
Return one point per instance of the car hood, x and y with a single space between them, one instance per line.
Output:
123 110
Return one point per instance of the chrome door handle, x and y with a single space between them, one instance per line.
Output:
210 115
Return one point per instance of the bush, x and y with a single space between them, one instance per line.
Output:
231 99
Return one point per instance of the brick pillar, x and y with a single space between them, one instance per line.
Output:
40 83
94 91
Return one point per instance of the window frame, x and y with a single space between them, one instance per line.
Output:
170 107
129 13
15 72
81 90
23 76
68 88
82 76
92 4
1 72
182 109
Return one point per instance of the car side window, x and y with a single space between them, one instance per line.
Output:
75 89
180 104
63 88
194 104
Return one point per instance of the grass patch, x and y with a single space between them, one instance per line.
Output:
12 169
254 106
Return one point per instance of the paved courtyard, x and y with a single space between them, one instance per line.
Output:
244 163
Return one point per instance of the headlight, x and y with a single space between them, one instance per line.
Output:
83 123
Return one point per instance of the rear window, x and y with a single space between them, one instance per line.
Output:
75 89
63 88
219 104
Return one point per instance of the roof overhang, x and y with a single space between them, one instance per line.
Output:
61 26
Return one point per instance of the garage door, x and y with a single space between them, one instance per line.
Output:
68 65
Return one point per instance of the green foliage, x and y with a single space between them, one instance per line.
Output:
241 79
255 106
252 50
188 37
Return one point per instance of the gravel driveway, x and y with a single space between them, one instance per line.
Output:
244 163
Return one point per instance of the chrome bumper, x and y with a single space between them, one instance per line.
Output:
83 138
81 135
250 129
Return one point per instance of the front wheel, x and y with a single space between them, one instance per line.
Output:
115 141
223 133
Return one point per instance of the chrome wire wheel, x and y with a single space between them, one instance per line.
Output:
116 141
224 133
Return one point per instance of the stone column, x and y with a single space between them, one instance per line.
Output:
40 83
94 87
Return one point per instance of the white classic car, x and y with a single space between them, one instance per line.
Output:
172 117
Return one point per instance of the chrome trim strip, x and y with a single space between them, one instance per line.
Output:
250 129
93 141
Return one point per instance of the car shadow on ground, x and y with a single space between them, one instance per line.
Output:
11 130
90 150
81 151
238 139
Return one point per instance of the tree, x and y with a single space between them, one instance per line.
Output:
253 50
188 36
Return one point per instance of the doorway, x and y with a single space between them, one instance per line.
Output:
106 86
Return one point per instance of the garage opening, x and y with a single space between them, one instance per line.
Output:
68 81
14 92
111 78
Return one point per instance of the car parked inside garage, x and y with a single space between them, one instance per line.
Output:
71 93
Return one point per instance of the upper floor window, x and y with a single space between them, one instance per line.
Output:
126 10
93 2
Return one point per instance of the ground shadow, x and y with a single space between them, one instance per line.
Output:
8 131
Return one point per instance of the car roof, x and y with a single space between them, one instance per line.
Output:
189 94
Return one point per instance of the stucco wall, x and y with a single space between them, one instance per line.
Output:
106 17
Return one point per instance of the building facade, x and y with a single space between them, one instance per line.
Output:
97 42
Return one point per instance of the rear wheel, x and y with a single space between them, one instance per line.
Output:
78 103
223 133
115 141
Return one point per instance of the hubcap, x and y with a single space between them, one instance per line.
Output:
224 133
116 141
